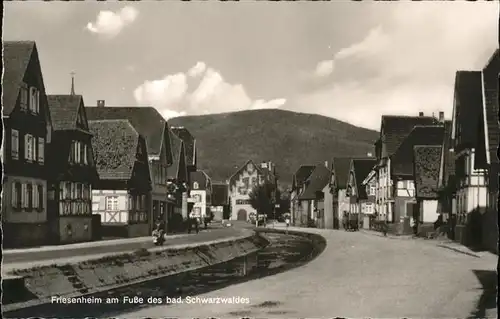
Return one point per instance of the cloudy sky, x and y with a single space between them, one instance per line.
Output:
353 61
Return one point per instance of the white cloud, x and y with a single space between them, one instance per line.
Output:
168 114
324 68
197 69
174 95
110 24
408 63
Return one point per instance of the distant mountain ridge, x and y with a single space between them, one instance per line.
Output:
226 141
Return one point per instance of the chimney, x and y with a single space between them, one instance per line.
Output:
326 164
263 165
441 117
420 113
369 154
101 103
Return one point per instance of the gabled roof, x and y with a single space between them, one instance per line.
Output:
318 179
189 142
426 166
302 175
491 71
468 105
341 167
115 147
396 128
402 159
199 177
64 111
219 194
177 147
16 58
362 167
146 120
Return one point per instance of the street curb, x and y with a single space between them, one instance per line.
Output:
374 233
188 260
458 250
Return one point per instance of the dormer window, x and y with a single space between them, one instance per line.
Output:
34 95
23 101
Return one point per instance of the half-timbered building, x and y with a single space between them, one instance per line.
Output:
426 169
27 130
402 168
338 187
475 135
298 187
393 131
312 199
361 196
72 171
153 127
120 196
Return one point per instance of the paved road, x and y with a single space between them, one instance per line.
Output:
361 275
96 248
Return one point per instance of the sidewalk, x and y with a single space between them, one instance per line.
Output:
76 246
111 246
207 238
442 243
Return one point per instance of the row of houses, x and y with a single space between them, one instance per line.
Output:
74 172
425 168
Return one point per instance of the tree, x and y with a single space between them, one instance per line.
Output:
284 202
263 198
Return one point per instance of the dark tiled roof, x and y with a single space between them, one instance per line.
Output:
16 58
362 167
341 167
115 145
302 175
491 78
427 160
189 143
448 156
396 128
402 159
177 147
146 120
64 110
468 105
316 182
199 177
219 194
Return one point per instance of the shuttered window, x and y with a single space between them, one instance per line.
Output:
14 144
23 97
28 147
24 202
41 150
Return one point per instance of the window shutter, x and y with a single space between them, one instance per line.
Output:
35 196
40 196
23 196
15 144
37 97
41 149
34 148
26 146
14 195
85 154
24 97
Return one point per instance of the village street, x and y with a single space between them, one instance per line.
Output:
362 275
